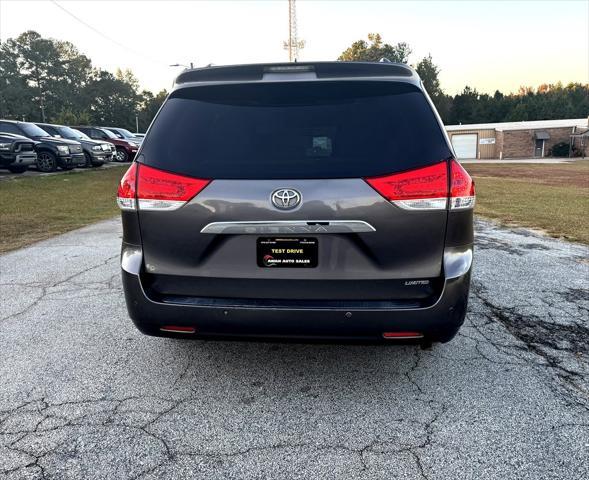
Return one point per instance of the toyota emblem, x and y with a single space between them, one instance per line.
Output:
285 198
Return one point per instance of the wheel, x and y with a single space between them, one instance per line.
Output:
122 155
18 168
46 162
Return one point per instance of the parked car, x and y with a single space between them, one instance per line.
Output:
16 152
51 152
139 135
96 153
125 150
125 134
106 146
316 200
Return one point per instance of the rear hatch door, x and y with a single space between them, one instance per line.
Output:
322 146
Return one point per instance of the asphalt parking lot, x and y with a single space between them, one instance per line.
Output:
85 396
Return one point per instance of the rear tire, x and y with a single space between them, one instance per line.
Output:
46 162
18 169
122 155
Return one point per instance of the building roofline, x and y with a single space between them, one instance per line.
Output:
524 125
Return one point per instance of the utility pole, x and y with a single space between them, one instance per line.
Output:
136 123
182 65
293 45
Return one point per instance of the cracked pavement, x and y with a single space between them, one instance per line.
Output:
84 395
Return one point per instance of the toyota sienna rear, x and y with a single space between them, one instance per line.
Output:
308 200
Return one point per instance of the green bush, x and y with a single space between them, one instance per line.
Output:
560 149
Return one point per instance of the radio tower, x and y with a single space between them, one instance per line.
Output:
294 44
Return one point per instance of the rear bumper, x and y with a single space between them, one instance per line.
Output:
210 317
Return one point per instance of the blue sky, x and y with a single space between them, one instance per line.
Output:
488 45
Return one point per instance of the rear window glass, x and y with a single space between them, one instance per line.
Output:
295 130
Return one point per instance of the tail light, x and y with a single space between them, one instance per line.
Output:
148 188
127 186
427 188
462 195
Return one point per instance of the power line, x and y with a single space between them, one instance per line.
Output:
103 35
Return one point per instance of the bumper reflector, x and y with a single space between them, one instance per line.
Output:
177 329
401 335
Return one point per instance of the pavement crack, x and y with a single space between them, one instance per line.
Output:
543 338
45 288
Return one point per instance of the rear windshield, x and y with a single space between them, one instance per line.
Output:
295 130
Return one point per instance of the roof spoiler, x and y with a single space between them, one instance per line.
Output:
253 72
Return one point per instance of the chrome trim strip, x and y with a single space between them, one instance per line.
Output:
457 262
131 259
289 227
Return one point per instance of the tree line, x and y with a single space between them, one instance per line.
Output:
43 79
547 102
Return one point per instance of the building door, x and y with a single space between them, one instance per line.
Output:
465 145
539 148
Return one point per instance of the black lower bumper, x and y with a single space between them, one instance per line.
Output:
78 159
71 160
99 158
211 317
17 159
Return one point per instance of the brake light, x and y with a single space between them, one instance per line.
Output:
420 189
427 188
462 194
154 189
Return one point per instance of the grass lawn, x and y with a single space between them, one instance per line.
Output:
36 208
549 197
553 198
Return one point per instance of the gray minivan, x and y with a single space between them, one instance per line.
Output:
307 200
